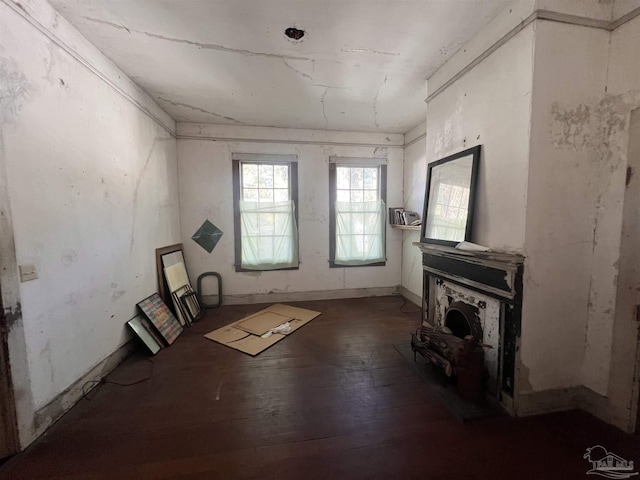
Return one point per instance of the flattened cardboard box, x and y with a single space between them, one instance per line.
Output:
253 344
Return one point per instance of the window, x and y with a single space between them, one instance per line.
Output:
357 195
265 196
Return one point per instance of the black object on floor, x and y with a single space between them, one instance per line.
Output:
460 408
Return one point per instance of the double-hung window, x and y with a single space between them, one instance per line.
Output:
265 190
357 196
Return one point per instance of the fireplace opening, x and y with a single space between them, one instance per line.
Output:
462 319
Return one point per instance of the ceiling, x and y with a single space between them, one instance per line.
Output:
361 65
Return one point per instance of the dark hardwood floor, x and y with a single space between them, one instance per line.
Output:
332 401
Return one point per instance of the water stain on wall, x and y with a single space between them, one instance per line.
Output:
14 89
117 295
69 258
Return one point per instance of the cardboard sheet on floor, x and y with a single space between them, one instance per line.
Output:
236 338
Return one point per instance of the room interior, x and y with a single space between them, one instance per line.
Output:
120 122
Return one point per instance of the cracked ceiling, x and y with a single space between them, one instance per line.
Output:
361 65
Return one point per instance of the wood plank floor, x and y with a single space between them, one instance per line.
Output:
332 401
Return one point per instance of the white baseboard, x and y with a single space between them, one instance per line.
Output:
412 297
50 413
583 398
547 401
601 407
277 297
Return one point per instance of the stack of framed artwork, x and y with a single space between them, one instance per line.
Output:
158 327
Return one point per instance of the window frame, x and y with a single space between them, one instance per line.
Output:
258 159
333 195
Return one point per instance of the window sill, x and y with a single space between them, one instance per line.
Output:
336 265
247 270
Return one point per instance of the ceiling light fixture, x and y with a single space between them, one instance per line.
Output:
294 33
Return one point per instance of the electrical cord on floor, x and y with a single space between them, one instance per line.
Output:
94 384
402 310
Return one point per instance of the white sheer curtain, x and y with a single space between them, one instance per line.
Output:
360 233
269 235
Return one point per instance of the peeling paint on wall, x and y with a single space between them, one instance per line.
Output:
570 126
524 386
598 131
589 125
14 89
13 314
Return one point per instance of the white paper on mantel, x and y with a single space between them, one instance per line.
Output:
472 247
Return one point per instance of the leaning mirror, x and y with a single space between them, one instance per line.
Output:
448 205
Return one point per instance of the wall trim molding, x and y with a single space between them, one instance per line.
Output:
480 58
573 398
548 15
412 297
89 66
547 401
276 297
601 407
569 19
46 416
417 139
624 19
286 142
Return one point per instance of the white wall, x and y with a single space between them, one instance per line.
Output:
206 193
622 103
490 105
91 183
571 216
415 178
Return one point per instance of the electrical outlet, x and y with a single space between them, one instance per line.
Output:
28 272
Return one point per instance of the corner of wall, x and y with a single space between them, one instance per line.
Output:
10 290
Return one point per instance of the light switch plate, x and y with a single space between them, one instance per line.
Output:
27 272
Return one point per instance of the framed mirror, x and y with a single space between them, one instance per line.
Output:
449 198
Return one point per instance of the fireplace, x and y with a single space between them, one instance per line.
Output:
478 294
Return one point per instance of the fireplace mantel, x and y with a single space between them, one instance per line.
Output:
495 275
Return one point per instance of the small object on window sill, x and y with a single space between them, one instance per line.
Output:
408 218
405 227
472 247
